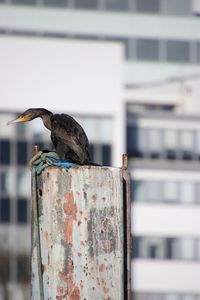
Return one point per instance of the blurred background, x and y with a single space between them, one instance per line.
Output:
129 72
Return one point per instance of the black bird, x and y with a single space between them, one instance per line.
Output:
67 135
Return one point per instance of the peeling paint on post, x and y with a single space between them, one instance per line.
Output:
81 234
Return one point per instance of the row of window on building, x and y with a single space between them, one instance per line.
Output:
184 192
171 51
163 143
166 7
164 296
20 152
173 248
139 49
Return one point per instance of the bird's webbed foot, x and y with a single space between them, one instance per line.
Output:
46 158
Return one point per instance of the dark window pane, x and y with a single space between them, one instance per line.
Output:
5 209
132 137
86 4
177 7
4 268
137 141
148 6
147 49
56 3
169 248
118 5
106 155
21 153
24 2
198 52
135 247
91 150
23 269
22 210
178 51
3 182
4 151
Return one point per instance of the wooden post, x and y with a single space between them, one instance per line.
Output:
79 239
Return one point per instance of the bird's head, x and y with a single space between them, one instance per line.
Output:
30 114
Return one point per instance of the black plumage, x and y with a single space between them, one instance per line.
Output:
67 135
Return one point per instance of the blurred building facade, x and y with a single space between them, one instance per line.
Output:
151 98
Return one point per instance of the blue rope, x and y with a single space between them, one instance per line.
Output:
44 159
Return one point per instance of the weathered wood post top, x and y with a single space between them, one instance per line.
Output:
81 234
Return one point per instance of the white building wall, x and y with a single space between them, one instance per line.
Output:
166 276
75 77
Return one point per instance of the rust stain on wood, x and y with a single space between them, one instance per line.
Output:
70 210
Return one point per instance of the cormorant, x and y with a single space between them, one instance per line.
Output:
67 135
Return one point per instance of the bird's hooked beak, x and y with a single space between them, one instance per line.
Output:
20 119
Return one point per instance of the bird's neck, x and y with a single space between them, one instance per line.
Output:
46 120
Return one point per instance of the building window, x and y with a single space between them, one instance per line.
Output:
166 248
147 49
176 7
197 146
56 3
139 189
100 154
198 249
117 5
148 6
4 209
22 210
22 182
22 153
132 141
169 248
5 182
4 151
106 155
187 144
178 51
91 151
142 138
24 2
154 191
198 52
155 143
187 192
189 297
5 268
170 192
170 143
86 4
23 269
164 296
187 246
152 247
172 297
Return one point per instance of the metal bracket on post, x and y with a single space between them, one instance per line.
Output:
127 227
